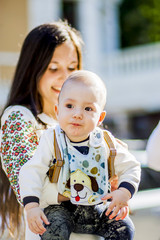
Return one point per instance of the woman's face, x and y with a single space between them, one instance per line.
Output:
63 62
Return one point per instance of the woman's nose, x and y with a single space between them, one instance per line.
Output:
65 74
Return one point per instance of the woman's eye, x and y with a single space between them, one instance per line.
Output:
53 69
72 68
88 109
69 106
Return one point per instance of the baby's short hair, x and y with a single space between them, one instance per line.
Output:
89 78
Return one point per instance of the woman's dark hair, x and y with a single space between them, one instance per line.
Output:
36 54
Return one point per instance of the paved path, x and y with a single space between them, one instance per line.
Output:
147 223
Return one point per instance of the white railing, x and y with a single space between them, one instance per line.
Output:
132 77
132 60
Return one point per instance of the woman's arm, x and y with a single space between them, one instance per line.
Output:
18 142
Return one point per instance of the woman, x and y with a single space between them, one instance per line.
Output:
49 54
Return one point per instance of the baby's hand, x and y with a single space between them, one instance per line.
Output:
123 212
35 218
119 203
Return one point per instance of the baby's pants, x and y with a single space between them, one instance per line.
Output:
66 218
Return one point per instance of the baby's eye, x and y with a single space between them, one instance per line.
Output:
88 109
69 105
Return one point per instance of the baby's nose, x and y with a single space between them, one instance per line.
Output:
77 113
64 75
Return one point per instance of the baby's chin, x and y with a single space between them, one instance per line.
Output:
77 138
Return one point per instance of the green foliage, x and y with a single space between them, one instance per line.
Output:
140 22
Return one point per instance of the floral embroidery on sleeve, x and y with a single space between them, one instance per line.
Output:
19 141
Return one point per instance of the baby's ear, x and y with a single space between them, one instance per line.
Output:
101 118
56 110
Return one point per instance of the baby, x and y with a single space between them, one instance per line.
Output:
83 178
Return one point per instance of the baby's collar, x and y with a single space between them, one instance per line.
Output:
96 137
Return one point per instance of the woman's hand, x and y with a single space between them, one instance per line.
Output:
35 218
119 203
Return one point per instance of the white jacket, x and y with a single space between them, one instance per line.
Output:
33 173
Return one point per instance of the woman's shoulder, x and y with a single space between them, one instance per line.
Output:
51 131
17 111
17 108
49 121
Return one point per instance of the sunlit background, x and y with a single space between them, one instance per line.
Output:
122 45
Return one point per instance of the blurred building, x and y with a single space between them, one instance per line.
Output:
131 75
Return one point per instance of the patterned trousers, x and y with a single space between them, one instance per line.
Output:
66 218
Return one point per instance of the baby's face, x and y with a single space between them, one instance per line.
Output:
78 111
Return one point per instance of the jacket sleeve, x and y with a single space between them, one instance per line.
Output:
127 168
19 140
33 178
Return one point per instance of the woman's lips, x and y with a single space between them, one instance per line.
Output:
57 90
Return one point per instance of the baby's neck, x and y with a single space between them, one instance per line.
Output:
80 141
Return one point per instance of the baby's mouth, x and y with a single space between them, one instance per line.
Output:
76 124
